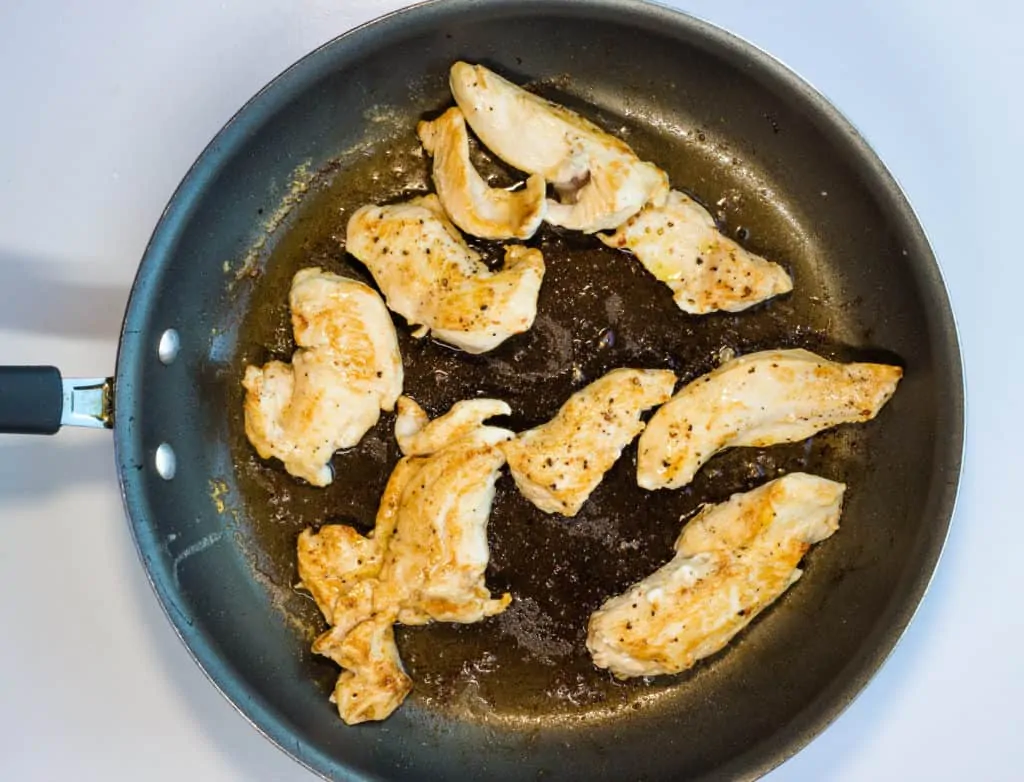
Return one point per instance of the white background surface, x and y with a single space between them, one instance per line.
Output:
104 105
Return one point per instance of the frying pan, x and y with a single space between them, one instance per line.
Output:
516 696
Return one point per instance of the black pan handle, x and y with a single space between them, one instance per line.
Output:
37 400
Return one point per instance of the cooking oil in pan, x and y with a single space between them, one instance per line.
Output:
598 309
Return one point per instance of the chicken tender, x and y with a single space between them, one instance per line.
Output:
424 561
761 399
732 561
432 278
346 370
434 565
679 243
558 464
600 180
373 683
417 435
335 565
474 206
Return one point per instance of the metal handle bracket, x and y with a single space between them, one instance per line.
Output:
88 402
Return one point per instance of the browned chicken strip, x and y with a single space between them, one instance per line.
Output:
760 399
600 180
432 278
558 464
346 370
474 206
679 243
424 561
373 683
732 561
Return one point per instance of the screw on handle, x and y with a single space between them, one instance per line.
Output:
31 400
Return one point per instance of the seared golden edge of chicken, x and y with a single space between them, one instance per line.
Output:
474 206
432 278
424 560
373 682
558 464
679 243
761 399
732 561
346 370
600 180
417 435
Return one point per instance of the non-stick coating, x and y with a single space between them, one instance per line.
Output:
516 696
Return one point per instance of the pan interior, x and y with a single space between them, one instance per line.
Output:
779 173
598 310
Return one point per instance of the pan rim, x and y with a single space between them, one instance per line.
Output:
816 716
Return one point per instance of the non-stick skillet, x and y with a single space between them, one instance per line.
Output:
516 697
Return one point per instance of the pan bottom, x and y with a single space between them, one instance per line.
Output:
598 309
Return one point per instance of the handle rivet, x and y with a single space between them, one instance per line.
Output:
165 461
170 344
